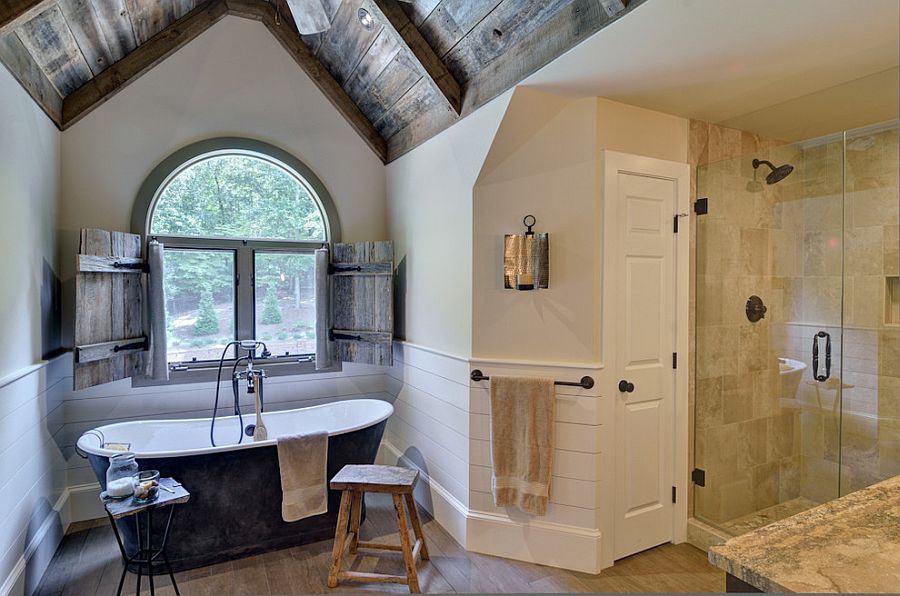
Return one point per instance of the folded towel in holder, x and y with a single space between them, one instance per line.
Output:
522 440
303 461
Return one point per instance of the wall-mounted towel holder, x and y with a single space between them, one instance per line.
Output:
586 382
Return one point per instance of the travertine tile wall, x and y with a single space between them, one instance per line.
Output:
819 261
745 440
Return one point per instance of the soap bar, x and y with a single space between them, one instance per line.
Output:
119 488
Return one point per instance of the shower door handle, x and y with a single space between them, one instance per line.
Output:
815 356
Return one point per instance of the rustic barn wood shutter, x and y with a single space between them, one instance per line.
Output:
362 302
109 336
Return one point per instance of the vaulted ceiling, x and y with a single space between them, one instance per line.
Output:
398 78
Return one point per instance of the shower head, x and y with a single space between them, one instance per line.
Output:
777 174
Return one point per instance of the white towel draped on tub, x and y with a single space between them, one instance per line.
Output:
303 460
522 439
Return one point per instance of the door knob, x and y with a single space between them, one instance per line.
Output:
625 386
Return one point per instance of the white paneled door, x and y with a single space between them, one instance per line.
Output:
643 204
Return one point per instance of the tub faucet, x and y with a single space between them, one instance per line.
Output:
254 378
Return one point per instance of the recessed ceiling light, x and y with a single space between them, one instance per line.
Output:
365 19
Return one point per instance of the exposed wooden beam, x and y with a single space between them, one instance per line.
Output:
310 16
573 24
24 69
101 88
260 10
15 12
394 19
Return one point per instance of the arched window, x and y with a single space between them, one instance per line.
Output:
239 220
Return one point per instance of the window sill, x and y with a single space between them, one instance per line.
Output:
207 372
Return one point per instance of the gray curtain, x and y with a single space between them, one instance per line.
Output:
157 362
323 311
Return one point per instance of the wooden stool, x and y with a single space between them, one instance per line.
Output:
355 482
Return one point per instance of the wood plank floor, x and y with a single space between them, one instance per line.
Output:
88 562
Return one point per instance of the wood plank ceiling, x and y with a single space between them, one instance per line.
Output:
400 77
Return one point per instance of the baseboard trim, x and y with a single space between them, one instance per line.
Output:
22 580
449 512
534 541
555 545
84 502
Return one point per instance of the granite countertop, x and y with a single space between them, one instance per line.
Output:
851 544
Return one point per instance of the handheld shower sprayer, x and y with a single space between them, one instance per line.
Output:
254 378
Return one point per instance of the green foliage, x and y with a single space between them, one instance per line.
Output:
271 314
189 271
207 321
237 196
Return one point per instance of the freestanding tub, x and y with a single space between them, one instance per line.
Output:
235 505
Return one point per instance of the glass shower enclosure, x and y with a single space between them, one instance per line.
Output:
797 380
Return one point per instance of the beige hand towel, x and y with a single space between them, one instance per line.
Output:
304 479
522 439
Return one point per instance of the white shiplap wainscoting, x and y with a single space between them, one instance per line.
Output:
430 430
441 426
33 496
570 535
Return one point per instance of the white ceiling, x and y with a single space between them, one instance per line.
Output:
757 64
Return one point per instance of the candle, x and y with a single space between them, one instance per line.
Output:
119 488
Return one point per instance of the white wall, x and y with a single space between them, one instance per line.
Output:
542 162
31 476
233 80
430 222
629 129
29 187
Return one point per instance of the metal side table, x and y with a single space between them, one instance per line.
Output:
171 493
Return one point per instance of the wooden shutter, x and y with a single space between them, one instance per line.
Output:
109 336
362 302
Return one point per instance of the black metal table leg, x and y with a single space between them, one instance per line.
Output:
162 550
137 556
149 552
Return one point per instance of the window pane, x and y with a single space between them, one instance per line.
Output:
286 302
237 196
199 303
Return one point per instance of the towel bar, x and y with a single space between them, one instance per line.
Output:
586 382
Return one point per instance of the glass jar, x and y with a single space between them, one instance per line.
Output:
120 474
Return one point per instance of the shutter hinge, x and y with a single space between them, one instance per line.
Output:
674 359
698 477
701 206
674 494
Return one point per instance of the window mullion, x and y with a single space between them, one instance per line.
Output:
245 293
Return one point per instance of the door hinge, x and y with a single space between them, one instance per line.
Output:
698 477
675 224
701 206
674 359
674 494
